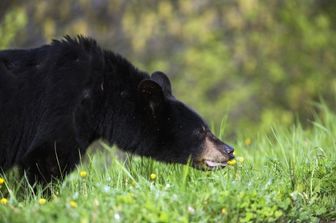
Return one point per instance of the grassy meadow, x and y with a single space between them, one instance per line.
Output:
286 176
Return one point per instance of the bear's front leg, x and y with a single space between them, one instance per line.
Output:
50 161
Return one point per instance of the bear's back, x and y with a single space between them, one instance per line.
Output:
39 89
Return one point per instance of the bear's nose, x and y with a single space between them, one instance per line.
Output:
229 150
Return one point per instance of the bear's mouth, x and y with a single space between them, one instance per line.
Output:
214 164
209 165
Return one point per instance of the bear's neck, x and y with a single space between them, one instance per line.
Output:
122 121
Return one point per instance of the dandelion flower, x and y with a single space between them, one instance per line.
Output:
3 201
73 204
248 141
232 162
42 201
224 211
2 180
153 176
83 173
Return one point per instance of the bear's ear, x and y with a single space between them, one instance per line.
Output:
151 93
162 79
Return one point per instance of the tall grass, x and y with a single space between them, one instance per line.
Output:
289 175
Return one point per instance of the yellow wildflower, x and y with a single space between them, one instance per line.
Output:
83 173
224 211
3 201
42 201
248 141
2 181
73 204
153 176
232 162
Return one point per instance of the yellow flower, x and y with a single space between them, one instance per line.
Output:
73 204
2 181
248 141
83 173
42 201
153 176
240 159
3 201
224 211
232 162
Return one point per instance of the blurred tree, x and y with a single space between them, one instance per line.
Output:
11 23
260 62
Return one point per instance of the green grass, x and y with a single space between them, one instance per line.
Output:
286 176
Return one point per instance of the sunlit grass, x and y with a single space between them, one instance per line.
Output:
288 175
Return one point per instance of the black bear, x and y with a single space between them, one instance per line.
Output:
57 99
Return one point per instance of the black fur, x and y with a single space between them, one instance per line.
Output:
57 99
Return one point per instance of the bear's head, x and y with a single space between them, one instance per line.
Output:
176 132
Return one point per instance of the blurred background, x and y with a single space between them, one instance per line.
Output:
252 64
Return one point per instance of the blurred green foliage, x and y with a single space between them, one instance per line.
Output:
260 63
13 21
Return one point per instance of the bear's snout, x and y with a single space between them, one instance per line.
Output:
229 150
214 153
